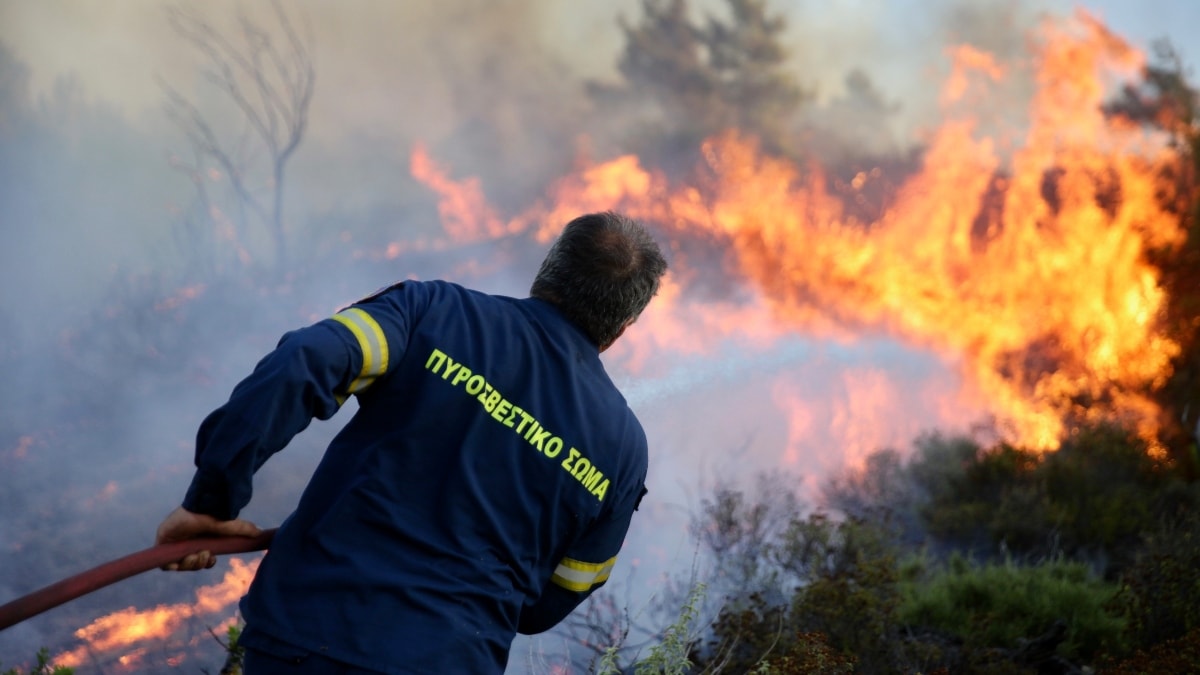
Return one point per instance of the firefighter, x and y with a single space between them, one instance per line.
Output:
483 487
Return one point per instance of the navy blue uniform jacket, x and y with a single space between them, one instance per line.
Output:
483 487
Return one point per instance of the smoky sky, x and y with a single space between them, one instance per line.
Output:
106 381
390 74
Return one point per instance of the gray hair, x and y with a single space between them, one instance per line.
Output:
601 273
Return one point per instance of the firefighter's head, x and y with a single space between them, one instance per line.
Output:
601 273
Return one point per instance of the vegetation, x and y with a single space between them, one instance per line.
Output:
671 655
691 81
235 655
43 667
1165 99
1001 604
1081 559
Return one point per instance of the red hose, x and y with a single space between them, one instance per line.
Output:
122 568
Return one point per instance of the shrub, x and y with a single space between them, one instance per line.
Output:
1003 605
807 654
1181 655
1161 590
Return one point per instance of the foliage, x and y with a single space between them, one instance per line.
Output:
971 491
1181 655
820 594
886 587
883 491
1102 488
1093 497
744 633
852 593
43 667
807 654
830 584
1161 589
997 605
742 535
235 654
670 655
700 80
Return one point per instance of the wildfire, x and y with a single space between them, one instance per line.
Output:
123 635
1021 255
1017 254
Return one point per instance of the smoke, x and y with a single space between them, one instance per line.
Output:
113 349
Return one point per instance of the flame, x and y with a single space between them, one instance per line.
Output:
1020 254
860 419
968 61
595 188
463 208
123 635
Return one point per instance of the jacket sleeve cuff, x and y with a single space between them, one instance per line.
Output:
210 497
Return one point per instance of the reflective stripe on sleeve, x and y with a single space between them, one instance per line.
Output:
580 577
371 341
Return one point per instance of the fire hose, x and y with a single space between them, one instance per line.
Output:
113 571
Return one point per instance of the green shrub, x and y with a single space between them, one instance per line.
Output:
671 655
816 576
854 599
999 605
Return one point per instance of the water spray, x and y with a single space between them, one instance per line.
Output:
113 571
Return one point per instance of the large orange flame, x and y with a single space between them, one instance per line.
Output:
1021 254
121 637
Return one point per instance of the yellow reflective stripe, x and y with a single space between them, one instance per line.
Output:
577 576
371 342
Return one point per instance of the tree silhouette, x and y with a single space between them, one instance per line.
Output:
688 82
269 82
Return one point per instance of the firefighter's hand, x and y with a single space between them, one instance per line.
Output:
182 524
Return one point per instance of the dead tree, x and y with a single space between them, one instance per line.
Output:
268 76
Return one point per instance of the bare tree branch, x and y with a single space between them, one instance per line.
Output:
271 88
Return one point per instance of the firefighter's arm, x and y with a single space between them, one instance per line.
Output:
310 374
585 568
572 583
